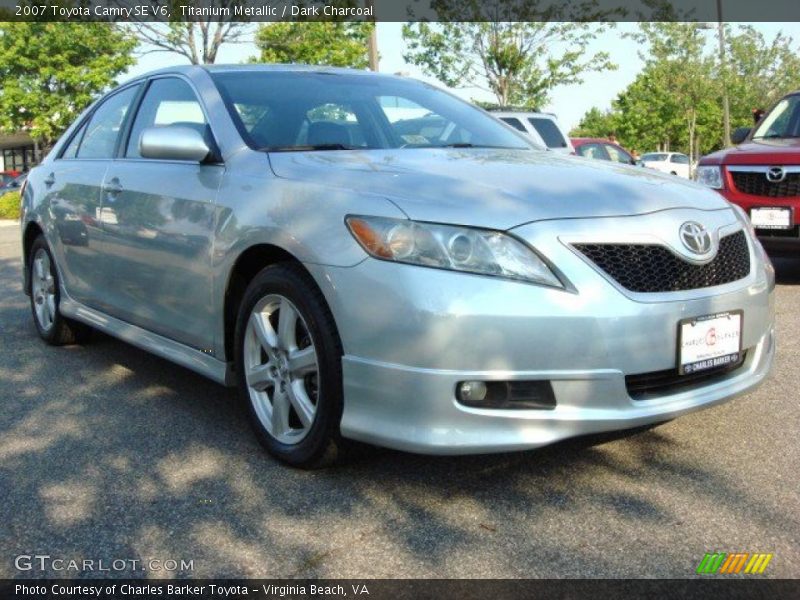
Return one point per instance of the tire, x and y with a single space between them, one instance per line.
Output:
288 358
53 327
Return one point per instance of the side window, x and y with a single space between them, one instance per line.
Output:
71 151
169 101
618 154
680 159
104 127
515 123
549 132
592 151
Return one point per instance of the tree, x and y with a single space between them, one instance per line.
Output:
675 101
596 123
49 72
199 39
519 62
334 43
759 72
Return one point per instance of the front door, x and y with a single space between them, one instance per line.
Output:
158 219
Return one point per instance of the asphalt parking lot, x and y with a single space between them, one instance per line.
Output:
107 452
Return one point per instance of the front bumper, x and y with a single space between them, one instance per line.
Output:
416 410
411 334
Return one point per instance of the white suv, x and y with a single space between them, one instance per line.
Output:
542 127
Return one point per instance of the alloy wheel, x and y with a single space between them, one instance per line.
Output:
43 290
281 369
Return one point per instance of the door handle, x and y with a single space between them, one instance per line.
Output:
50 179
113 187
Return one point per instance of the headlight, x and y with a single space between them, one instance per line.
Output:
710 176
480 251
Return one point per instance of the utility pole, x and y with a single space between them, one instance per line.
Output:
726 109
372 42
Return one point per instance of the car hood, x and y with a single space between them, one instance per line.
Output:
759 152
498 189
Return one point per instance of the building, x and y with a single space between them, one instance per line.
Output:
17 152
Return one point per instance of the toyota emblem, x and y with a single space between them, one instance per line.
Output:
695 237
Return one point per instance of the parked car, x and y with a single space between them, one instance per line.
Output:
762 175
13 185
269 228
673 163
544 128
602 149
7 177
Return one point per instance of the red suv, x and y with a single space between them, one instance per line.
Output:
762 175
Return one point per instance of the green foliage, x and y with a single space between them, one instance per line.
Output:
332 43
596 123
9 205
675 102
759 72
519 62
49 72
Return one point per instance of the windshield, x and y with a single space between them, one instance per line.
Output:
300 111
783 121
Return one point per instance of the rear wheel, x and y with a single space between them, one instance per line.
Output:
52 326
288 363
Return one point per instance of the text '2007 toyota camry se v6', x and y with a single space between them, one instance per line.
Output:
369 258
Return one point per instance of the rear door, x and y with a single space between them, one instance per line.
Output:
158 218
72 190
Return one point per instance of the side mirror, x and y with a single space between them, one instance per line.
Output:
174 142
739 134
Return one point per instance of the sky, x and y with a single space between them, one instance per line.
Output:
569 102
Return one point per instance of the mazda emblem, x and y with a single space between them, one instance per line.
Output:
776 174
695 237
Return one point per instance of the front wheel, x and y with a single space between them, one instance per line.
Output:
288 364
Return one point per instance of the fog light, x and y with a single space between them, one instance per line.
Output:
523 395
472 391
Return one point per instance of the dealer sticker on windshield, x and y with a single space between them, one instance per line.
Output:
709 341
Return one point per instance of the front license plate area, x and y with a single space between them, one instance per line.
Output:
709 341
778 217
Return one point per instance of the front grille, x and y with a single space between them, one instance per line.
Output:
650 268
646 386
757 184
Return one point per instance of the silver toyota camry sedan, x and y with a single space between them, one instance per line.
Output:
369 258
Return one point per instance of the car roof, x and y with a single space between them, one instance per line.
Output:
190 70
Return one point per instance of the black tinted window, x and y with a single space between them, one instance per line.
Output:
169 101
549 132
515 123
103 129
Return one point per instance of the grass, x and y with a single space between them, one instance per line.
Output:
9 206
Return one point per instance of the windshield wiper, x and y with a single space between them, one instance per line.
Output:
468 145
308 148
